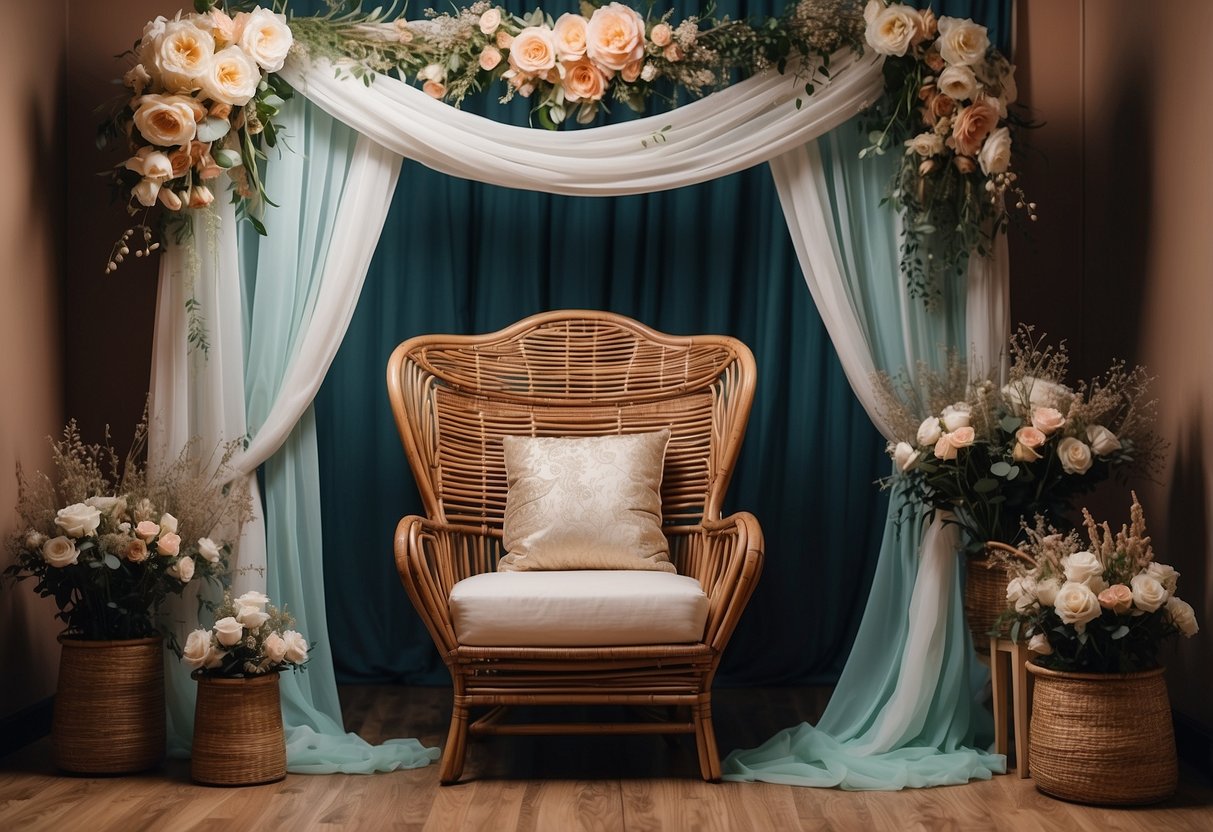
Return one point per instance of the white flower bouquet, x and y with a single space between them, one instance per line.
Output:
110 542
1100 605
250 637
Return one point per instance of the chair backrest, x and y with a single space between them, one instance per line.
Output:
568 373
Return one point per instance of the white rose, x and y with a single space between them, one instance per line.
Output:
296 647
232 77
168 120
208 549
961 41
956 416
957 82
929 431
153 30
182 570
925 144
251 616
113 506
1084 568
1148 593
60 552
229 631
168 523
253 598
1075 455
490 20
615 36
905 456
1030 392
995 155
1103 441
1021 592
1076 604
266 39
1046 591
1182 616
1164 574
275 647
78 520
197 650
893 29
873 8
182 55
1039 645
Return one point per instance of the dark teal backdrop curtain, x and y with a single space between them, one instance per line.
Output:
460 257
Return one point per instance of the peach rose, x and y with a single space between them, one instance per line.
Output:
136 551
490 58
183 54
583 81
168 120
615 36
533 50
927 24
147 529
962 437
232 77
673 53
222 27
893 29
632 71
208 168
200 197
266 38
1024 453
1075 455
933 59
661 34
972 125
169 544
944 449
570 34
504 39
1048 420
434 89
1117 598
942 105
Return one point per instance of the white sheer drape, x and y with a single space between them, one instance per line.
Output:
764 118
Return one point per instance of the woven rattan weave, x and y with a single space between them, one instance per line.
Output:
573 373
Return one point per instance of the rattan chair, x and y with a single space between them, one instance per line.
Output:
573 373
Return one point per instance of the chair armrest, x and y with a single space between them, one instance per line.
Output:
431 558
726 557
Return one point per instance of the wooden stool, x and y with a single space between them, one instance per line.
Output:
1002 651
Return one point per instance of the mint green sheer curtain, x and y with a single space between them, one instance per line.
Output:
281 276
944 745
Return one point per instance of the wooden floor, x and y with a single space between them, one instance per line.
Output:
553 783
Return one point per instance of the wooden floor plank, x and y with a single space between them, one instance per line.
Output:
554 784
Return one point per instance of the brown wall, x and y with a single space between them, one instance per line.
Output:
1121 261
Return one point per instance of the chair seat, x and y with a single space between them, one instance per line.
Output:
589 608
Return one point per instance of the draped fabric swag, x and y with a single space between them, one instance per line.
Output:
276 310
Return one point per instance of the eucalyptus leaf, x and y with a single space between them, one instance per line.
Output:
225 158
985 485
1010 423
212 129
1014 472
112 562
1120 632
1000 469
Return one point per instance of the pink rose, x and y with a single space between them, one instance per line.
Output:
673 53
962 437
147 530
661 34
615 36
1030 437
1024 453
168 544
570 34
490 58
944 449
504 39
1118 598
972 126
533 50
583 81
1048 420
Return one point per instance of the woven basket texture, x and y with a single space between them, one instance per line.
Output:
986 579
1102 738
238 736
109 706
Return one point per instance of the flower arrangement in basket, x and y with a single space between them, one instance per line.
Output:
250 637
110 540
1099 605
994 456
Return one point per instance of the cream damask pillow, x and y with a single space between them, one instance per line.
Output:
589 502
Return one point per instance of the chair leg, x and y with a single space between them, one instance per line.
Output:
456 744
705 740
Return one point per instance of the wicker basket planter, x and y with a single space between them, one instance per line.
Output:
238 736
986 579
1102 738
109 706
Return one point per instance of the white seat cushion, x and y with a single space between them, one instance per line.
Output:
589 608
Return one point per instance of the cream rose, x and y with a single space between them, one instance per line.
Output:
168 544
958 82
113 506
929 431
1180 614
944 449
1164 574
962 41
152 165
136 551
182 570
1046 591
873 8
182 55
490 21
229 631
893 29
251 615
972 125
490 57
60 552
583 81
1076 604
955 416
962 437
1021 592
1084 568
275 648
1148 593
995 155
533 50
296 647
905 456
167 120
1048 420
1103 441
1030 392
1118 598
78 520
570 35
1075 455
209 549
232 78
1039 645
252 598
266 39
925 144
222 27
615 36
198 648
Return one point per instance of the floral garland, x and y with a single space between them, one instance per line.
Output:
203 94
